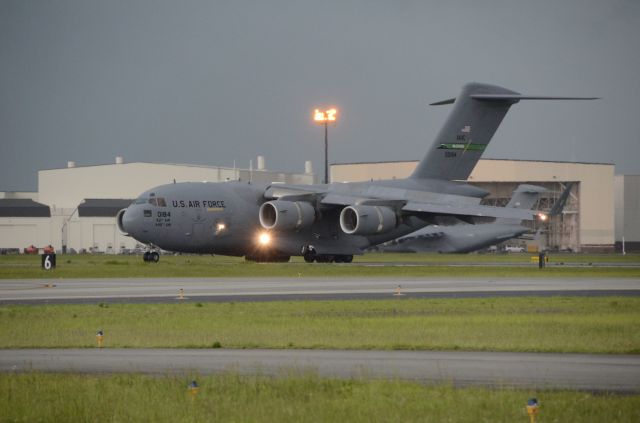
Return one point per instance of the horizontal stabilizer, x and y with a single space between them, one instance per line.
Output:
511 97
518 97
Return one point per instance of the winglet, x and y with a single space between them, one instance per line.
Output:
443 102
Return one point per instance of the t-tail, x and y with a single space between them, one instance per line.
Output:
476 115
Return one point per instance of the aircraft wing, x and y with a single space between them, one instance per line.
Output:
466 210
293 192
289 190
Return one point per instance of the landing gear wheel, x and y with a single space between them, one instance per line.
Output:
151 257
309 254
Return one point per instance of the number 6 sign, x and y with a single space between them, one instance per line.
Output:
48 261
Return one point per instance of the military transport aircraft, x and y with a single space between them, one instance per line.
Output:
330 222
464 238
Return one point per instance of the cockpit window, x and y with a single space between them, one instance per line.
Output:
158 202
140 201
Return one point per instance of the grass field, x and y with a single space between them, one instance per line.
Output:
233 398
102 266
552 324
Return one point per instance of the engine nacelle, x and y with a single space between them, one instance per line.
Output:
367 220
286 215
119 221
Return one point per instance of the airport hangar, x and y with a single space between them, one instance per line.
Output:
76 206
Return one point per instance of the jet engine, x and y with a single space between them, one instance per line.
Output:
119 221
367 220
286 215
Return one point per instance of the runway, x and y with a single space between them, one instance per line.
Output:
36 291
619 373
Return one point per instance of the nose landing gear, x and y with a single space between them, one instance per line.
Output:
151 256
309 253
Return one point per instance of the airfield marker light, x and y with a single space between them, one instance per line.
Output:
532 409
100 338
193 389
264 239
323 117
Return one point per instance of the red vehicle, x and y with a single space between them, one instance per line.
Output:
31 249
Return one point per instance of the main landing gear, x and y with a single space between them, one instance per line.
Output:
151 256
310 255
267 258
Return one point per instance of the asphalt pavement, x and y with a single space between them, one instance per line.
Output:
36 291
614 373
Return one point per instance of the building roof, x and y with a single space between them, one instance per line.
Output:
102 207
21 207
504 160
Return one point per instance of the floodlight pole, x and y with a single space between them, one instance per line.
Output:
326 152
325 117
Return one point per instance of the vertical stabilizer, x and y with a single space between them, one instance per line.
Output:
476 115
466 133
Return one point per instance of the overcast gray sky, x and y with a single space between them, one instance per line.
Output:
210 82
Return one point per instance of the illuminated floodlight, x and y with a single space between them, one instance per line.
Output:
324 116
221 227
543 217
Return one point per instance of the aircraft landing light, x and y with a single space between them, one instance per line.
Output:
264 239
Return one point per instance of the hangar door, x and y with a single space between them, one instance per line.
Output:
104 237
18 236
